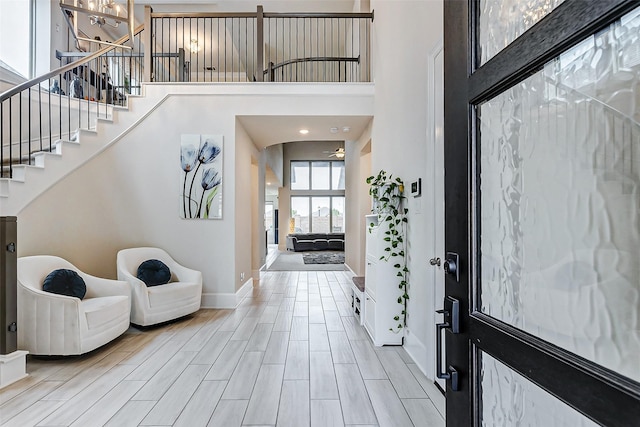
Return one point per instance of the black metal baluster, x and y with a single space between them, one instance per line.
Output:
49 94
10 139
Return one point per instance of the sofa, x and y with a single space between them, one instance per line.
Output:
302 242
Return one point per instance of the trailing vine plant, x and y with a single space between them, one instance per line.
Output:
388 197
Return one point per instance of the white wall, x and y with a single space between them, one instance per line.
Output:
404 32
246 193
129 194
358 201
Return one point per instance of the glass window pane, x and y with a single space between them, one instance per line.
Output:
337 215
509 399
300 214
320 214
15 35
559 201
299 175
320 176
337 175
503 21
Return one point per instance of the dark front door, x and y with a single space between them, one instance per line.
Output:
542 212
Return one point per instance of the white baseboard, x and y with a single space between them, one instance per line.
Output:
13 367
226 300
350 269
417 351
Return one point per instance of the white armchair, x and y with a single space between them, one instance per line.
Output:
156 304
52 324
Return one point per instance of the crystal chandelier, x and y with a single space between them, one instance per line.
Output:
109 13
100 13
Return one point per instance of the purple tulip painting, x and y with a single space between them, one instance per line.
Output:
201 164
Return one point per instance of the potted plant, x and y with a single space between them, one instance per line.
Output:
388 197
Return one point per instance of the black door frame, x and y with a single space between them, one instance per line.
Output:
602 395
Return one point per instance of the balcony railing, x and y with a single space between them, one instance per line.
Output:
260 46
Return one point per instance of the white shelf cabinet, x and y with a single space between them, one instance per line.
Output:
381 290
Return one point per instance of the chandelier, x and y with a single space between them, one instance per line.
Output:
109 13
100 13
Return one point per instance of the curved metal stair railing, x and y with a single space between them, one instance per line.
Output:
36 114
327 68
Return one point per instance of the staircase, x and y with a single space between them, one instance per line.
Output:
95 135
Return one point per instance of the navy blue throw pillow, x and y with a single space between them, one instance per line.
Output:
65 282
154 272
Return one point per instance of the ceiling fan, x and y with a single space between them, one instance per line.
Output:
338 153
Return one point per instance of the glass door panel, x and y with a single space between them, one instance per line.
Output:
509 399
559 206
503 21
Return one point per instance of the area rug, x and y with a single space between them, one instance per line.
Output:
323 257
293 261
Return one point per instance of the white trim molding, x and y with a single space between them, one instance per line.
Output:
226 300
13 367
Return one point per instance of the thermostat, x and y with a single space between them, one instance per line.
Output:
416 188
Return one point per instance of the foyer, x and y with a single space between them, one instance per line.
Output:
291 354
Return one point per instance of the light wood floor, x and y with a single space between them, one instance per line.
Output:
291 354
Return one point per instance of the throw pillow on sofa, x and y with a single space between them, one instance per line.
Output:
154 272
65 282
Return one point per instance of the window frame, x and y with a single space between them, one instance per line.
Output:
310 193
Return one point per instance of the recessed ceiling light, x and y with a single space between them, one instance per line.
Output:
334 130
346 129
268 183
304 131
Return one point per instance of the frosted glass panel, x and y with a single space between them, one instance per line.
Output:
503 21
509 399
559 201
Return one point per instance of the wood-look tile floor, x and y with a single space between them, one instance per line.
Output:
291 354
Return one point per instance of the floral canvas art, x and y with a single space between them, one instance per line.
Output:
201 163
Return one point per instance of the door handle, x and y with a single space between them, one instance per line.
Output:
451 312
451 373
435 261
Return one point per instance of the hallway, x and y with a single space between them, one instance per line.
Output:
291 354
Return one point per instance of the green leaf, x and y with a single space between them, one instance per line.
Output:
406 270
399 275
397 266
399 300
382 257
399 326
387 249
396 318
404 220
210 198
387 239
